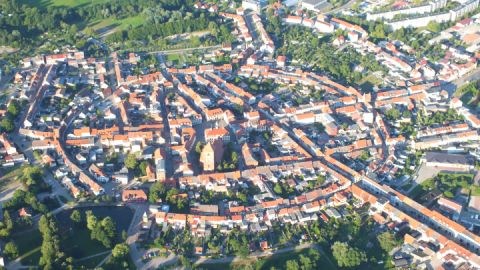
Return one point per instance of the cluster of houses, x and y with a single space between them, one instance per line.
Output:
8 153
183 121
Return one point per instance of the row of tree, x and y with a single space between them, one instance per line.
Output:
52 255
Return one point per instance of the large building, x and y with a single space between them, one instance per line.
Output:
211 155
448 161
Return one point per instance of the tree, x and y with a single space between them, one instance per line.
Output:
434 26
131 162
11 250
277 188
393 114
7 124
109 227
143 167
76 216
7 220
120 250
347 256
387 241
50 248
91 220
199 148
104 230
292 265
13 109
321 179
157 192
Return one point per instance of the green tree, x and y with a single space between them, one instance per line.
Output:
347 256
199 148
10 250
109 227
434 26
387 241
321 179
76 216
7 124
277 188
131 162
91 220
50 248
157 192
120 250
13 108
7 220
292 265
143 167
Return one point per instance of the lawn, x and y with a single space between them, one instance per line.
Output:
369 82
105 26
176 59
278 261
59 3
469 94
92 262
8 176
80 243
446 183
28 243
110 25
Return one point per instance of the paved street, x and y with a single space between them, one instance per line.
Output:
133 234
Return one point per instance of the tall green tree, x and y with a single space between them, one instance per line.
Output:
347 256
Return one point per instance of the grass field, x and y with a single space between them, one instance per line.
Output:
9 176
278 261
75 240
111 25
370 81
28 246
60 3
80 243
469 93
10 181
102 27
446 183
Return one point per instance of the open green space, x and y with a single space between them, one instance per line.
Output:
469 94
110 25
175 58
80 244
61 3
277 261
75 239
78 236
367 83
9 176
446 183
28 243
91 263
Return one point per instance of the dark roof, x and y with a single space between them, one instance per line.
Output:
400 262
439 157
